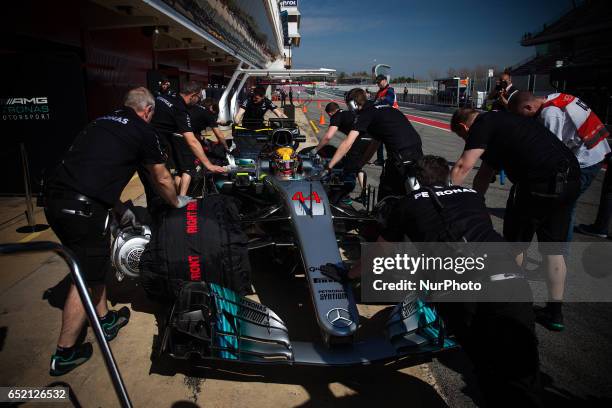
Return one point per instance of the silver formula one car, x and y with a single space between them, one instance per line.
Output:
285 209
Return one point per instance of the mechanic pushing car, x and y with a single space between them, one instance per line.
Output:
343 120
79 194
204 115
252 111
499 337
172 117
388 126
546 181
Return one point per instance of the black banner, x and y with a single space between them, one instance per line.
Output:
42 102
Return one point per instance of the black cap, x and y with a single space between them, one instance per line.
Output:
381 77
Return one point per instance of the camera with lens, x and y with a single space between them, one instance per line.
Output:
501 86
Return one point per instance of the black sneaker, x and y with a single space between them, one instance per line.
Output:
379 163
552 320
590 230
62 365
113 321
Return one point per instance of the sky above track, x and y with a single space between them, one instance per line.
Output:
419 36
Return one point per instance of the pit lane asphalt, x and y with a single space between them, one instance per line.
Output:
575 363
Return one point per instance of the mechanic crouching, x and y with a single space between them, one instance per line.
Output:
498 337
79 195
388 126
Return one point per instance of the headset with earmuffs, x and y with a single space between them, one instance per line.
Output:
410 180
411 183
350 102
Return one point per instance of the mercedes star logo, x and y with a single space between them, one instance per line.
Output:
339 317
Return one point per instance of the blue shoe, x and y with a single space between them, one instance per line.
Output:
550 319
114 321
591 230
62 365
347 201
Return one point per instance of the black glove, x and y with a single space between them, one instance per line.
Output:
339 273
234 152
183 200
127 217
325 175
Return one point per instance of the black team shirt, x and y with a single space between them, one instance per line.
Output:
524 148
392 128
201 118
417 217
171 116
343 120
254 112
105 155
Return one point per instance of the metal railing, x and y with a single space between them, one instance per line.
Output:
77 278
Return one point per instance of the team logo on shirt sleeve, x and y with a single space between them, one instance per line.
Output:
118 119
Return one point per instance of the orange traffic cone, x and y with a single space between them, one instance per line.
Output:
304 108
395 105
322 119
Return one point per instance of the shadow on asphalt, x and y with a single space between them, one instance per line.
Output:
461 364
56 295
557 397
184 404
497 212
3 332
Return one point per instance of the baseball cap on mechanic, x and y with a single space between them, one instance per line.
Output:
380 77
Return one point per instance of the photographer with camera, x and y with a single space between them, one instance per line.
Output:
504 90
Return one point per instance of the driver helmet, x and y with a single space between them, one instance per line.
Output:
284 161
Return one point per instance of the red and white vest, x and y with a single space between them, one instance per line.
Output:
589 128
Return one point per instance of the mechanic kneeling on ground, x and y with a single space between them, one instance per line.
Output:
252 111
79 194
499 336
358 154
388 126
172 116
546 182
